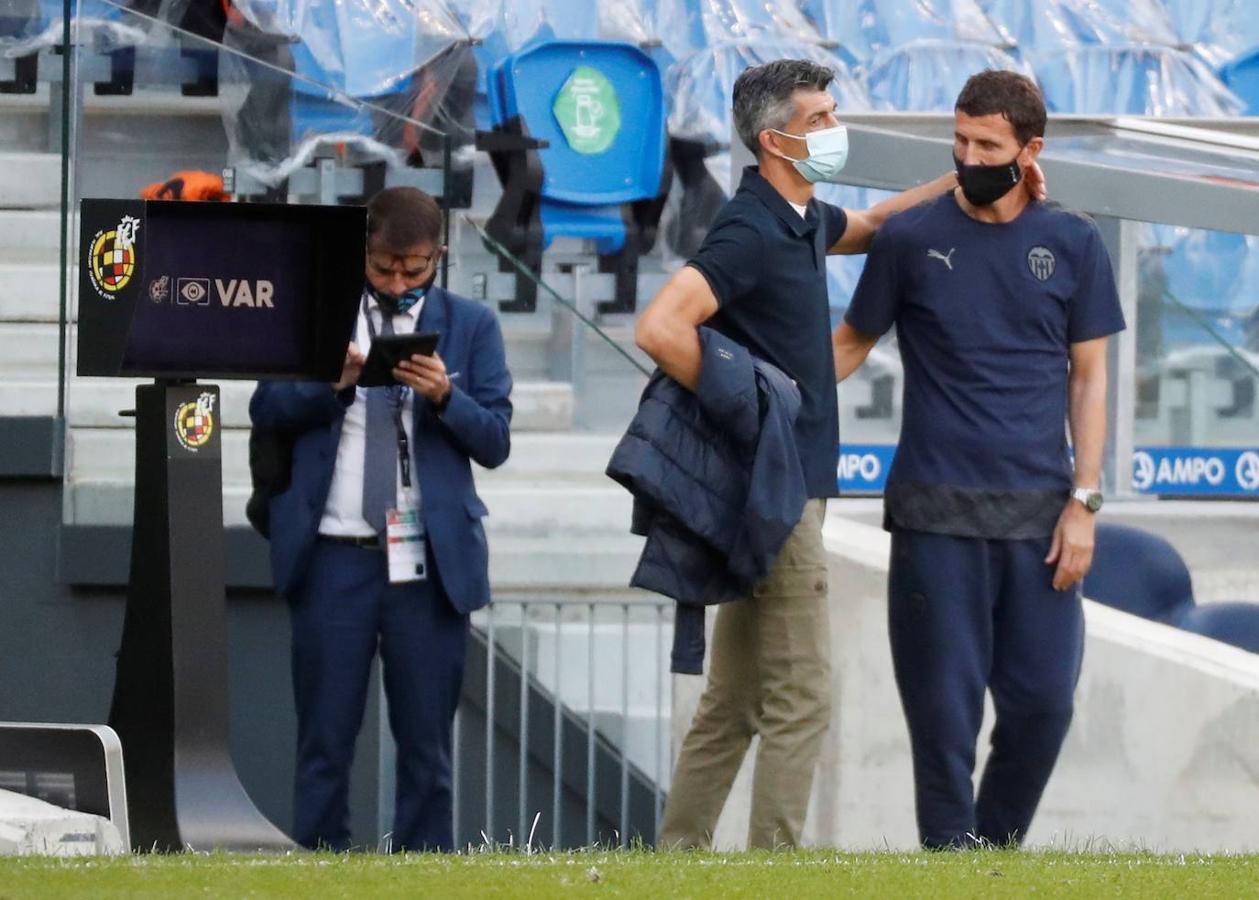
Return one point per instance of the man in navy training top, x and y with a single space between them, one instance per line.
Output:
760 279
1002 306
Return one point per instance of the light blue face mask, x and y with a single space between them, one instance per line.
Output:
828 153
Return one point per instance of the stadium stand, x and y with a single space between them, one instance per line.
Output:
446 68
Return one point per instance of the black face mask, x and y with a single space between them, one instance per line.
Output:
983 185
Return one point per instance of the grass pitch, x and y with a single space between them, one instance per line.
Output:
655 876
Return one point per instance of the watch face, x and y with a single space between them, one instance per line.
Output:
1094 502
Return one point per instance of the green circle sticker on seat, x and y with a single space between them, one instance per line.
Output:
587 111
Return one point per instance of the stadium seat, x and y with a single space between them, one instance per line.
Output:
599 106
1142 574
19 20
337 64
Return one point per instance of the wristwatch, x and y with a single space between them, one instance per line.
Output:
1091 499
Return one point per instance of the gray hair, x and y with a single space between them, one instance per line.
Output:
763 95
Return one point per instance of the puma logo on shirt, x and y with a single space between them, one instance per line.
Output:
945 258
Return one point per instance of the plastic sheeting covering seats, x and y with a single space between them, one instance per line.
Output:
1218 30
927 74
1212 276
861 29
702 85
378 80
1134 79
1041 26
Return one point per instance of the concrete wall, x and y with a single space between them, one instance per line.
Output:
1163 753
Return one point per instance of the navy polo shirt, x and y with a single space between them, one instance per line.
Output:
985 316
766 264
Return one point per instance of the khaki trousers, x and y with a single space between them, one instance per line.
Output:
770 674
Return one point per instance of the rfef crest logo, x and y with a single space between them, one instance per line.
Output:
111 259
194 422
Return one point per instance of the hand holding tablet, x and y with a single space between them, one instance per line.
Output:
390 349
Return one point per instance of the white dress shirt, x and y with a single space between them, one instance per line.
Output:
343 513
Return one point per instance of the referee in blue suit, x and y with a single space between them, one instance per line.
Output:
364 458
1002 306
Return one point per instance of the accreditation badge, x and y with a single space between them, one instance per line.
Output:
406 544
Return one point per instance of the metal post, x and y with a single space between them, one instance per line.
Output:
326 179
564 331
557 760
523 824
660 677
584 304
489 725
590 727
1120 238
625 725
1197 406
456 773
386 763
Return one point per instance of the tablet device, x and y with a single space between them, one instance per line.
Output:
390 349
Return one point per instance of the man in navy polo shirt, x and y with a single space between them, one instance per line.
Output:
1002 306
760 278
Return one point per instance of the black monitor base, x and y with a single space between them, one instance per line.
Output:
170 698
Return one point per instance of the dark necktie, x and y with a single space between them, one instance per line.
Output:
380 459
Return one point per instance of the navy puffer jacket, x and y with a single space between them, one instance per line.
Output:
717 483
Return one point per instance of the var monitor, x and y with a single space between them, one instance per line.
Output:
171 289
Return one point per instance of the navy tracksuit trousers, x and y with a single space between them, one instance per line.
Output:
967 615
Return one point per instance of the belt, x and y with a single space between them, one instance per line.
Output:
372 542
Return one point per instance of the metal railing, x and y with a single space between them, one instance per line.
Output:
562 734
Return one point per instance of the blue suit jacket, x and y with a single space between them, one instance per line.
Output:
475 425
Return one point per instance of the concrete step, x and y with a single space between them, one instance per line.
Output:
584 664
30 235
557 564
95 402
28 350
99 491
573 561
569 455
542 460
30 292
30 180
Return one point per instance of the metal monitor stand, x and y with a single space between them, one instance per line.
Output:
170 698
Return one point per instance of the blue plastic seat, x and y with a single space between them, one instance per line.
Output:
1142 574
608 191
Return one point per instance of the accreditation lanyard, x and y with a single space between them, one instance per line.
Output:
397 399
